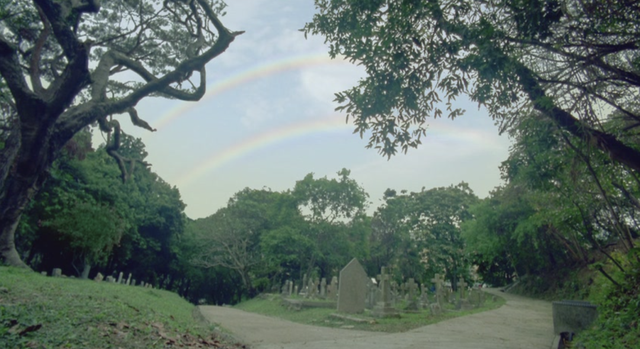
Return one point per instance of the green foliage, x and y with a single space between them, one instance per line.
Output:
333 210
91 229
267 237
418 234
43 312
85 216
618 310
511 56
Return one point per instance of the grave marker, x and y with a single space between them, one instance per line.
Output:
99 277
333 289
437 281
385 308
353 288
412 304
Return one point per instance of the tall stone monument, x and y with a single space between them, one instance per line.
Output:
353 288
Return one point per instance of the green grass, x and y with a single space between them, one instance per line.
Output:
271 306
44 312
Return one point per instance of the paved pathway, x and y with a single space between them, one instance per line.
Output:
522 323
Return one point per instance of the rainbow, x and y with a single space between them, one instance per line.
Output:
254 72
333 123
443 132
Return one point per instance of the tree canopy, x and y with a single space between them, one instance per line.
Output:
67 64
574 62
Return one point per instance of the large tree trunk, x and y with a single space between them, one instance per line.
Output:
27 173
14 198
86 269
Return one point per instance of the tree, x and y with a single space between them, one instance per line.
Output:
69 64
91 231
571 61
231 237
332 209
435 222
390 242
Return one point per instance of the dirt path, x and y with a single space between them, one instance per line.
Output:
521 323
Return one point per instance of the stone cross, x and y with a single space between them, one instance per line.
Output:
384 308
412 287
462 287
463 302
424 294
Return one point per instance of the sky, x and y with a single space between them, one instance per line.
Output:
268 119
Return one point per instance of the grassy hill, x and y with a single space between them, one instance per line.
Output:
45 312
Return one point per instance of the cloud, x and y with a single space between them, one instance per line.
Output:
322 82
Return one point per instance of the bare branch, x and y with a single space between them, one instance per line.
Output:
27 103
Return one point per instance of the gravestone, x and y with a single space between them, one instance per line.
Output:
435 309
109 278
476 297
353 288
384 308
463 301
323 288
285 288
99 277
295 289
424 295
440 297
395 295
120 277
303 286
129 280
412 298
333 289
372 290
133 282
56 273
290 287
313 288
43 273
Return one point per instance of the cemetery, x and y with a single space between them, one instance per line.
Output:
374 304
256 208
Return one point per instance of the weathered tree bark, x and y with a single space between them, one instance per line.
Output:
19 188
86 269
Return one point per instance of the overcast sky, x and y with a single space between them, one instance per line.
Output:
268 119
